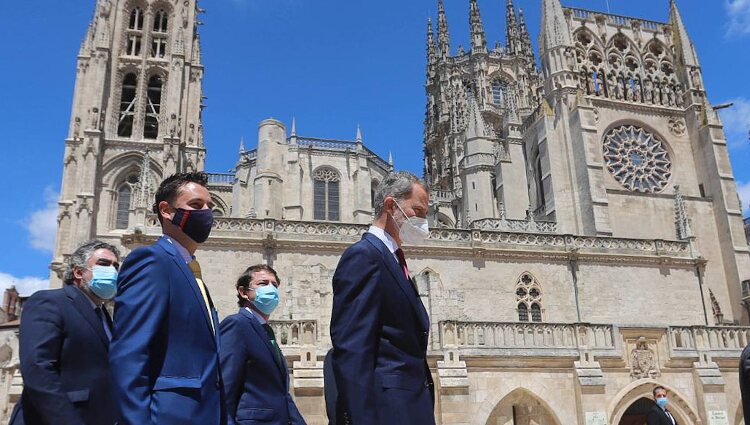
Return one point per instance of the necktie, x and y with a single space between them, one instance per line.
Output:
669 415
106 321
195 267
272 339
402 263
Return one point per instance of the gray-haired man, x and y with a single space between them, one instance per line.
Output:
379 326
64 340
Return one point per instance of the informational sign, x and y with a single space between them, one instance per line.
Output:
717 417
596 418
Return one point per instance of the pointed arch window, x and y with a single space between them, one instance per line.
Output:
153 107
135 32
159 35
127 105
528 298
124 195
136 19
499 88
326 194
160 21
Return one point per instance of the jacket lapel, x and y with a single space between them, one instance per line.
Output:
263 336
398 274
83 306
192 283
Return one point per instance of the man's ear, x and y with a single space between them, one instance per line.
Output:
164 210
78 273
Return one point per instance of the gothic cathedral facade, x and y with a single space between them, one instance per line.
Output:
586 243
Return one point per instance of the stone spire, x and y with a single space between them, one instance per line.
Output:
683 46
144 188
478 39
512 33
294 127
359 134
242 145
444 42
431 49
526 48
554 31
476 127
682 222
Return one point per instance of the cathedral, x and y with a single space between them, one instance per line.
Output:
587 241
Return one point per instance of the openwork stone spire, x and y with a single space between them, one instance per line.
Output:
444 42
431 49
682 222
478 39
526 48
476 127
512 32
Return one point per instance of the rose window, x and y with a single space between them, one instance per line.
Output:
637 159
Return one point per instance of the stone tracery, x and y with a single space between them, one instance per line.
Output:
637 159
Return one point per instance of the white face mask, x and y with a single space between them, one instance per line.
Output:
413 230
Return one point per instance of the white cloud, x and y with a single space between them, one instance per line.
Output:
738 12
736 120
24 285
42 225
743 189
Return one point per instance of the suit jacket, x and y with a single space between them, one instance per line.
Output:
255 382
656 416
330 392
379 330
164 353
745 382
63 352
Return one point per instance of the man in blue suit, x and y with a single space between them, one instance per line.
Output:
256 379
164 355
379 327
64 338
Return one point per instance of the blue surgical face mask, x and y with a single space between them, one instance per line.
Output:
104 282
662 402
266 298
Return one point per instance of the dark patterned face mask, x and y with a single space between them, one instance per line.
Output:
196 224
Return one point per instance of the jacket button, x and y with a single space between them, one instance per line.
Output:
218 385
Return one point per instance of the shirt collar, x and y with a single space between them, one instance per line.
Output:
384 237
256 315
180 249
93 304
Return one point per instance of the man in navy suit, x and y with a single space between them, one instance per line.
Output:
64 339
164 355
659 414
256 379
379 327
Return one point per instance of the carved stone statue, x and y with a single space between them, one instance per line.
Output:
649 91
664 94
679 95
570 58
637 91
695 76
643 361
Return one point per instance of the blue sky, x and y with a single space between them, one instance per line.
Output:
331 64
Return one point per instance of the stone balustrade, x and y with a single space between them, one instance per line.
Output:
720 341
507 225
295 333
531 338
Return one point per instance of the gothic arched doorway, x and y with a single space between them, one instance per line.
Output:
631 402
637 412
522 407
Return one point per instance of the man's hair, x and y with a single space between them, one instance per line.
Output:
657 388
246 276
397 185
171 186
81 256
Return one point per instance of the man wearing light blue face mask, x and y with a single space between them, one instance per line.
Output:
659 414
256 378
64 340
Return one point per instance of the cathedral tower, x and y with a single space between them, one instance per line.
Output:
136 104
